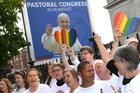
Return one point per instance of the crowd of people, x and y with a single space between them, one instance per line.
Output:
118 71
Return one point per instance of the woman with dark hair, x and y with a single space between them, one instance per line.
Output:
32 77
5 86
51 79
21 84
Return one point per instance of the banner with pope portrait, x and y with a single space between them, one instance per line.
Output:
56 22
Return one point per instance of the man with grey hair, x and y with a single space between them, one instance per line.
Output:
48 39
127 60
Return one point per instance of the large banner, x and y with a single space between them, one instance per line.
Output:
54 22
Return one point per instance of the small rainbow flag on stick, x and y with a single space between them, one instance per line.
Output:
126 25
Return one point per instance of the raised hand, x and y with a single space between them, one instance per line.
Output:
63 47
96 37
48 29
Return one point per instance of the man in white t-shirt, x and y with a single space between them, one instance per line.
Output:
104 75
88 85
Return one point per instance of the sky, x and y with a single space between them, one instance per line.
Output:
20 21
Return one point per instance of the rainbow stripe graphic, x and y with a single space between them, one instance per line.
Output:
125 25
67 37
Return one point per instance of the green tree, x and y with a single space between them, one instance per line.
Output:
11 37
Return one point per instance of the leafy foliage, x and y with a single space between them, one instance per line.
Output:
11 37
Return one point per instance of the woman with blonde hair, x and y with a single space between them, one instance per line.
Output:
5 86
71 78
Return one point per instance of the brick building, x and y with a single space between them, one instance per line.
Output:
20 61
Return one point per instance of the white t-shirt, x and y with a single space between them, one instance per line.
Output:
42 88
114 82
95 88
67 91
21 90
52 81
133 86
59 89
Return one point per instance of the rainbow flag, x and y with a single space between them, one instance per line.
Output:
126 25
65 36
